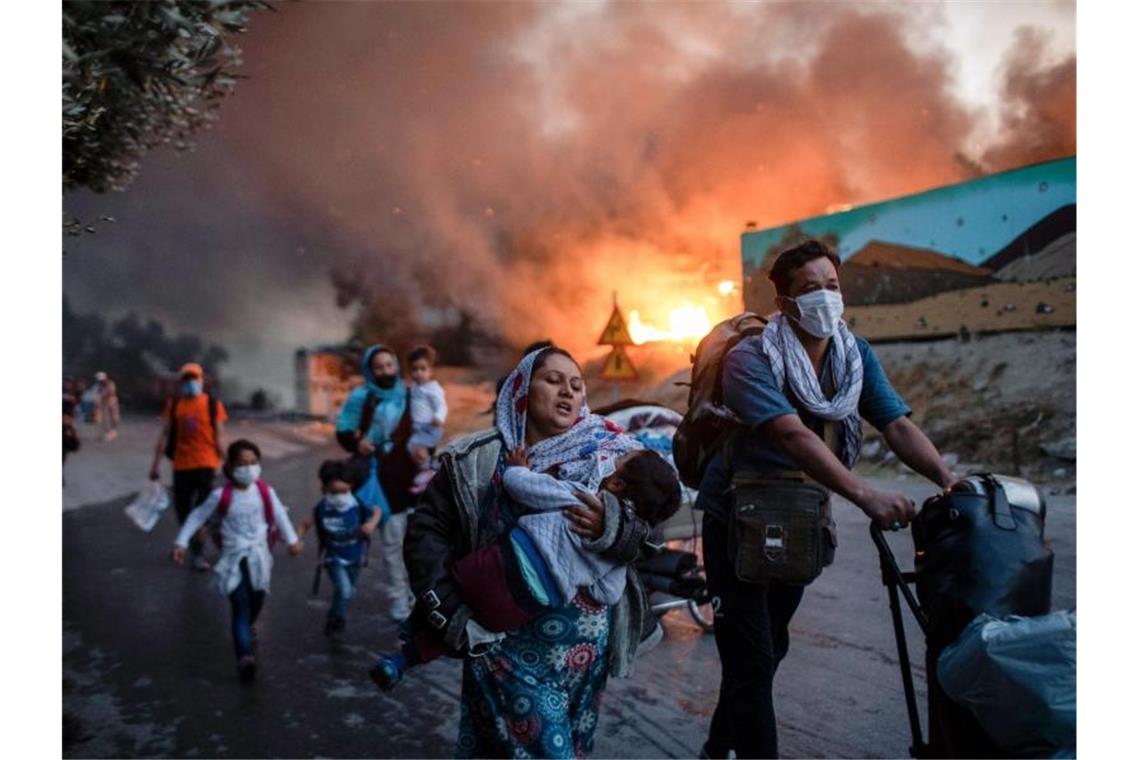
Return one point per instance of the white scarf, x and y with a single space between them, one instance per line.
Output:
789 360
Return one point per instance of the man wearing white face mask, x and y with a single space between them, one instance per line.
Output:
801 388
193 440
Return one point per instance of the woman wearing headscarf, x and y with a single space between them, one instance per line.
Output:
371 422
536 691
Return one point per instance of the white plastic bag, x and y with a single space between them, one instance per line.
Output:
1018 676
148 506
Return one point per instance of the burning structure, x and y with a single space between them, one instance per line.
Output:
323 377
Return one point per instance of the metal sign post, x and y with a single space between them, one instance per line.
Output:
618 368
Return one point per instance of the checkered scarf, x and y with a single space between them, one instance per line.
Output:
789 360
583 454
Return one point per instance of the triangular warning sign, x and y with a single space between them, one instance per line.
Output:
616 333
618 366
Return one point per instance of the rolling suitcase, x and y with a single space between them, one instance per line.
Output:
979 548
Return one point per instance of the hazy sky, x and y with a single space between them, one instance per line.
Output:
521 161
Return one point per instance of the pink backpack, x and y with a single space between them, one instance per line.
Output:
224 508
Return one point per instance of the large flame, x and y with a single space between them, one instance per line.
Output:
687 324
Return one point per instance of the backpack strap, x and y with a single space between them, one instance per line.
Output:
220 513
172 438
226 500
403 431
267 510
365 513
370 403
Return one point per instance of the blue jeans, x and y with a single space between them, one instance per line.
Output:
343 579
245 603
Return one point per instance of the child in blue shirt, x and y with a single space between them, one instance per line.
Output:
343 526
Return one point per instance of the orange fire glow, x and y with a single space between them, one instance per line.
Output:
687 324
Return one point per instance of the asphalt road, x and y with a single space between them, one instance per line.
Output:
149 671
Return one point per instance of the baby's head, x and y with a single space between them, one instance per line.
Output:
421 361
646 479
335 477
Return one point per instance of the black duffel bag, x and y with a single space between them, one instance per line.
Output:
980 548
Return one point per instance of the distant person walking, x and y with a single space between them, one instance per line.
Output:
107 401
374 425
193 438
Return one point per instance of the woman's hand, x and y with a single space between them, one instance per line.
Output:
365 447
589 520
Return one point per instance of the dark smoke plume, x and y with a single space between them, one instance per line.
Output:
520 162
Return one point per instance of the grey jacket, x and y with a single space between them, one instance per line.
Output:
444 527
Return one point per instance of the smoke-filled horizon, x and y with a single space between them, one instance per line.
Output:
520 162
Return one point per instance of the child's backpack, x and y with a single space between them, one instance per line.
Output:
224 508
708 422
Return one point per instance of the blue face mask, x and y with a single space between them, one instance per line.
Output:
192 387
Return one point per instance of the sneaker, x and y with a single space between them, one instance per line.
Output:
247 668
388 671
201 564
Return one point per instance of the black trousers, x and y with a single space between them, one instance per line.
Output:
751 629
191 487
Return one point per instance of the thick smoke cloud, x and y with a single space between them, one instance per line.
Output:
520 162
1039 105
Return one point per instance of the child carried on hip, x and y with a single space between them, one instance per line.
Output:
542 563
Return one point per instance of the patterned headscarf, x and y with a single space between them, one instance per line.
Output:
583 454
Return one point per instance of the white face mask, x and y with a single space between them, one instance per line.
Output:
820 311
340 501
246 474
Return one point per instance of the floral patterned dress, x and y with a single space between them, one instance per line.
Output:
538 691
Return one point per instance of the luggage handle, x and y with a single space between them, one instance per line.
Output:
999 503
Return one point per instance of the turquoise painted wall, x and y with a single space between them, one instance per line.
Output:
970 221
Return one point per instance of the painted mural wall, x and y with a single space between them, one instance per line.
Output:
990 255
